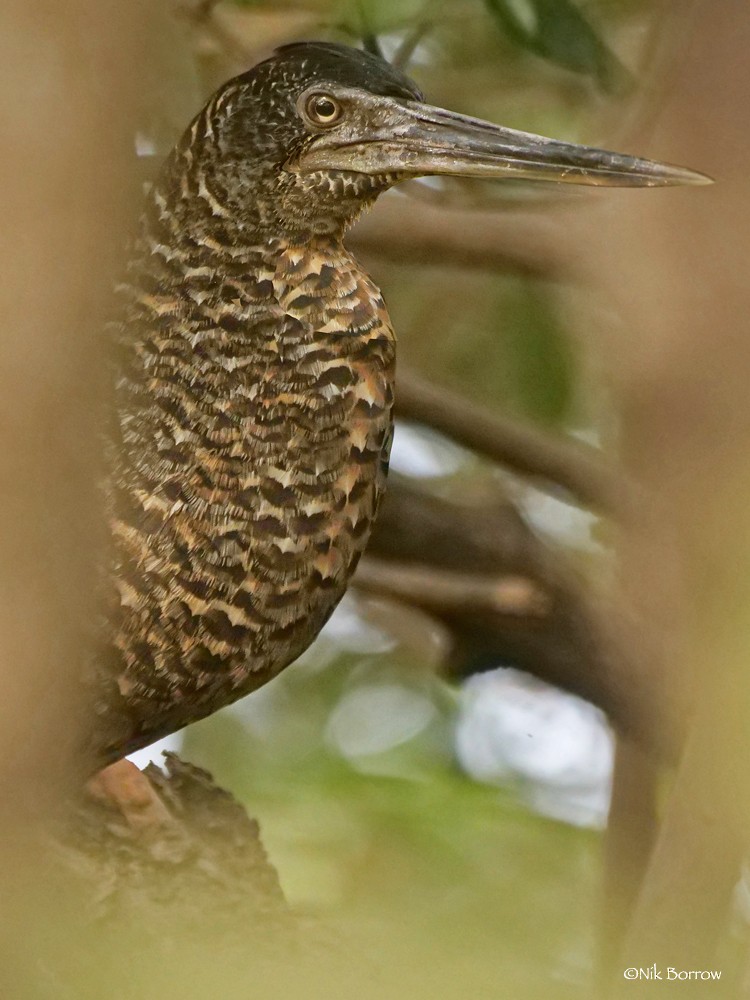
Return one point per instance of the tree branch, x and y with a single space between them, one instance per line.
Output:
581 471
404 231
450 556
449 592
629 838
686 895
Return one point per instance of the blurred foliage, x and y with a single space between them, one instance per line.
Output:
555 30
457 883
558 31
500 340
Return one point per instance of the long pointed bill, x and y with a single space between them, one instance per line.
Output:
417 140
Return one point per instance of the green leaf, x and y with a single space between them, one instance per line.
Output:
557 31
366 19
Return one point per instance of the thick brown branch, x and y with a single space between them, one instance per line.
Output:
628 841
449 592
686 896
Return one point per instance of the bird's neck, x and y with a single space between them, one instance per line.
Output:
220 203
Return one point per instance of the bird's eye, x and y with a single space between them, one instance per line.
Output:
323 110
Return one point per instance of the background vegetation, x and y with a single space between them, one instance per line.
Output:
594 456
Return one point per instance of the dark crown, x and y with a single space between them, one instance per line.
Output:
311 61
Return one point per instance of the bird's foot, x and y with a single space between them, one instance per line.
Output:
125 788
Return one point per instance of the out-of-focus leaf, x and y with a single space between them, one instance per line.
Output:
539 354
557 30
500 340
369 18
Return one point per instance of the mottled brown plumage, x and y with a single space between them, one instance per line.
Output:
254 366
253 370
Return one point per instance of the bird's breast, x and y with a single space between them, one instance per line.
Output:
254 426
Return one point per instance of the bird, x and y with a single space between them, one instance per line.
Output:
252 366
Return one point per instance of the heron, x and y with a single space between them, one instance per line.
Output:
253 371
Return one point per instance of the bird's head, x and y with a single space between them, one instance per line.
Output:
303 141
